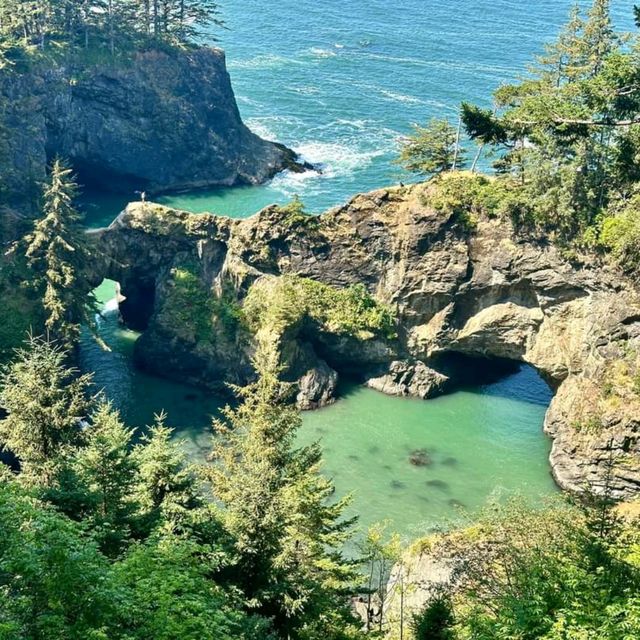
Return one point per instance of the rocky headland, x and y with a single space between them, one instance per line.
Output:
410 298
159 121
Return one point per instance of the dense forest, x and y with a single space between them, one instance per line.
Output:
112 25
108 534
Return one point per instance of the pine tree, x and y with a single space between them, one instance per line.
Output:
433 149
166 488
561 61
599 38
45 401
287 535
107 469
58 253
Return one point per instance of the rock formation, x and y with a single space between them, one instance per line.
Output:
161 121
461 296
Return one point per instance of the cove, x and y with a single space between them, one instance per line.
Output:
414 463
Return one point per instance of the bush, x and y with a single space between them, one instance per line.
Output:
189 305
621 235
468 197
280 303
435 621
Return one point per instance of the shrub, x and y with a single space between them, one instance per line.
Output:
435 621
280 303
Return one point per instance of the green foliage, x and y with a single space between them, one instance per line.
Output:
275 504
435 621
106 539
45 401
188 304
295 216
170 595
557 573
199 311
432 149
63 27
469 197
379 552
52 579
21 312
621 234
278 303
106 471
568 135
166 489
57 253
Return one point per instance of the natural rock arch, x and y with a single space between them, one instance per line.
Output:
485 291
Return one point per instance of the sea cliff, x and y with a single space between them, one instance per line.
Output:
412 299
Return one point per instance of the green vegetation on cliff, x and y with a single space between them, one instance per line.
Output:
280 303
567 140
565 572
112 26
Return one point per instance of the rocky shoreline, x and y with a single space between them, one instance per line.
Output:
463 297
161 121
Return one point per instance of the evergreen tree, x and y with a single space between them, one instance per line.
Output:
432 149
58 253
436 620
53 580
107 469
568 133
275 505
45 401
166 488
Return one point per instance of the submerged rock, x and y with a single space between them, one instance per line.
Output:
420 458
441 485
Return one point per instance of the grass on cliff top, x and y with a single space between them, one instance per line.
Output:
284 302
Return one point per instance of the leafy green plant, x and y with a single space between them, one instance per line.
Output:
279 303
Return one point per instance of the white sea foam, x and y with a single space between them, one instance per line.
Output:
399 97
245 100
306 90
273 127
266 61
334 160
322 53
110 306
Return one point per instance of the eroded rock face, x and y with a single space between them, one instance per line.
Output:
163 121
480 293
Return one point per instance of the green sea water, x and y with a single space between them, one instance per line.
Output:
472 444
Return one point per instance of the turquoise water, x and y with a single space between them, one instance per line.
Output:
341 83
472 444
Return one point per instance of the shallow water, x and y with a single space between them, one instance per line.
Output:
414 463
